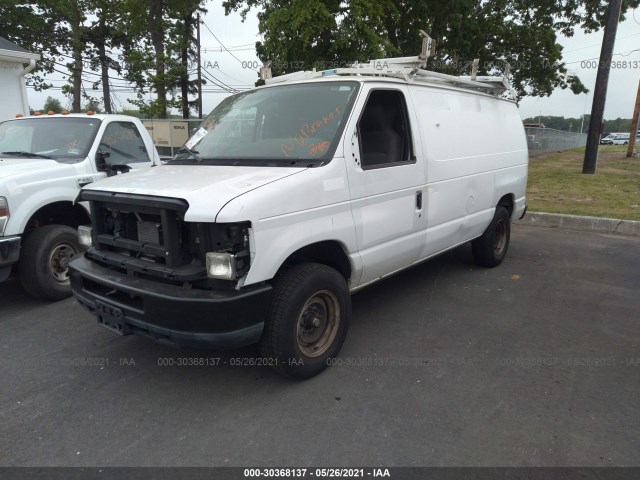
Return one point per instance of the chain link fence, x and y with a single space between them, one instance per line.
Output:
170 134
543 140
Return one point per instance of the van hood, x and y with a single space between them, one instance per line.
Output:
206 188
10 166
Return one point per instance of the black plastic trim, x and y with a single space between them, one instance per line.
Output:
173 314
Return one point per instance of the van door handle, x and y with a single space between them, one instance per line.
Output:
419 200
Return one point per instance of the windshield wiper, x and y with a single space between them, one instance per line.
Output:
192 153
27 154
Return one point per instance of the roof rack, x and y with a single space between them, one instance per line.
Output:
410 69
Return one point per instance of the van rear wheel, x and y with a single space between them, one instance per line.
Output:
490 249
308 320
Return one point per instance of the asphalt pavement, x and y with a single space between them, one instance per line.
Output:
533 363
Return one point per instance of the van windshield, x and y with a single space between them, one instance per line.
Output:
283 125
64 139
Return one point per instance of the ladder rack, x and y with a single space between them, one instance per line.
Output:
409 69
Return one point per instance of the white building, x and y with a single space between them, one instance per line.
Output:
15 63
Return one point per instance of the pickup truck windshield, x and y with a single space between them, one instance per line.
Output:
65 139
282 125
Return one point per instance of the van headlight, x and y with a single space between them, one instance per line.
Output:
221 265
4 214
84 236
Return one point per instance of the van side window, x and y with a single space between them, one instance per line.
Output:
123 142
383 130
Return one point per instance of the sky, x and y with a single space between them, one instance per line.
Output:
228 54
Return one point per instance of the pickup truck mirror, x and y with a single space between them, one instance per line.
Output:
101 161
111 170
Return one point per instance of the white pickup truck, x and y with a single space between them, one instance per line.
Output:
44 161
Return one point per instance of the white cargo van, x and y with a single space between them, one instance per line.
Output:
293 196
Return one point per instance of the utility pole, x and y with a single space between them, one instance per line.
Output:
199 70
600 91
634 124
584 112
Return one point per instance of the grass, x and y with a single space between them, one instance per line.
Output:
557 184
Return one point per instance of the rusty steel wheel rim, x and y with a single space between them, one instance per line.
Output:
318 323
500 240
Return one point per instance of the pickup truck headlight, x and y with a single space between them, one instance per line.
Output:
4 214
221 265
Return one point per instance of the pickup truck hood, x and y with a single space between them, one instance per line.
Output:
10 166
206 188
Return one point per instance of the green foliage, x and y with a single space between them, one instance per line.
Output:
146 42
149 43
52 105
313 33
618 125
92 104
573 124
159 31
32 27
131 112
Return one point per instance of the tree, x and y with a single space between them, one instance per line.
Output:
54 28
306 33
52 105
148 42
105 33
93 104
184 12
32 26
158 53
72 15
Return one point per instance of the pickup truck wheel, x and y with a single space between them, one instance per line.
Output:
490 249
44 261
308 320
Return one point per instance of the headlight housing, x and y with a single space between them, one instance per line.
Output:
84 236
4 214
221 265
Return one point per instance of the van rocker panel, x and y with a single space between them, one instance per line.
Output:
172 314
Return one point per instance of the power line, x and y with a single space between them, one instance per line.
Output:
626 54
598 44
87 72
208 76
232 78
223 83
215 49
221 44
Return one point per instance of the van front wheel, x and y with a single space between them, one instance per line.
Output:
308 320
490 249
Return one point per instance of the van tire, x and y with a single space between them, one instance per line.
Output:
44 257
308 320
490 249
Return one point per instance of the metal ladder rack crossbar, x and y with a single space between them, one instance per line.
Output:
404 68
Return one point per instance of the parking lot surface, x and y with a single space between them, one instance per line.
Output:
533 363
